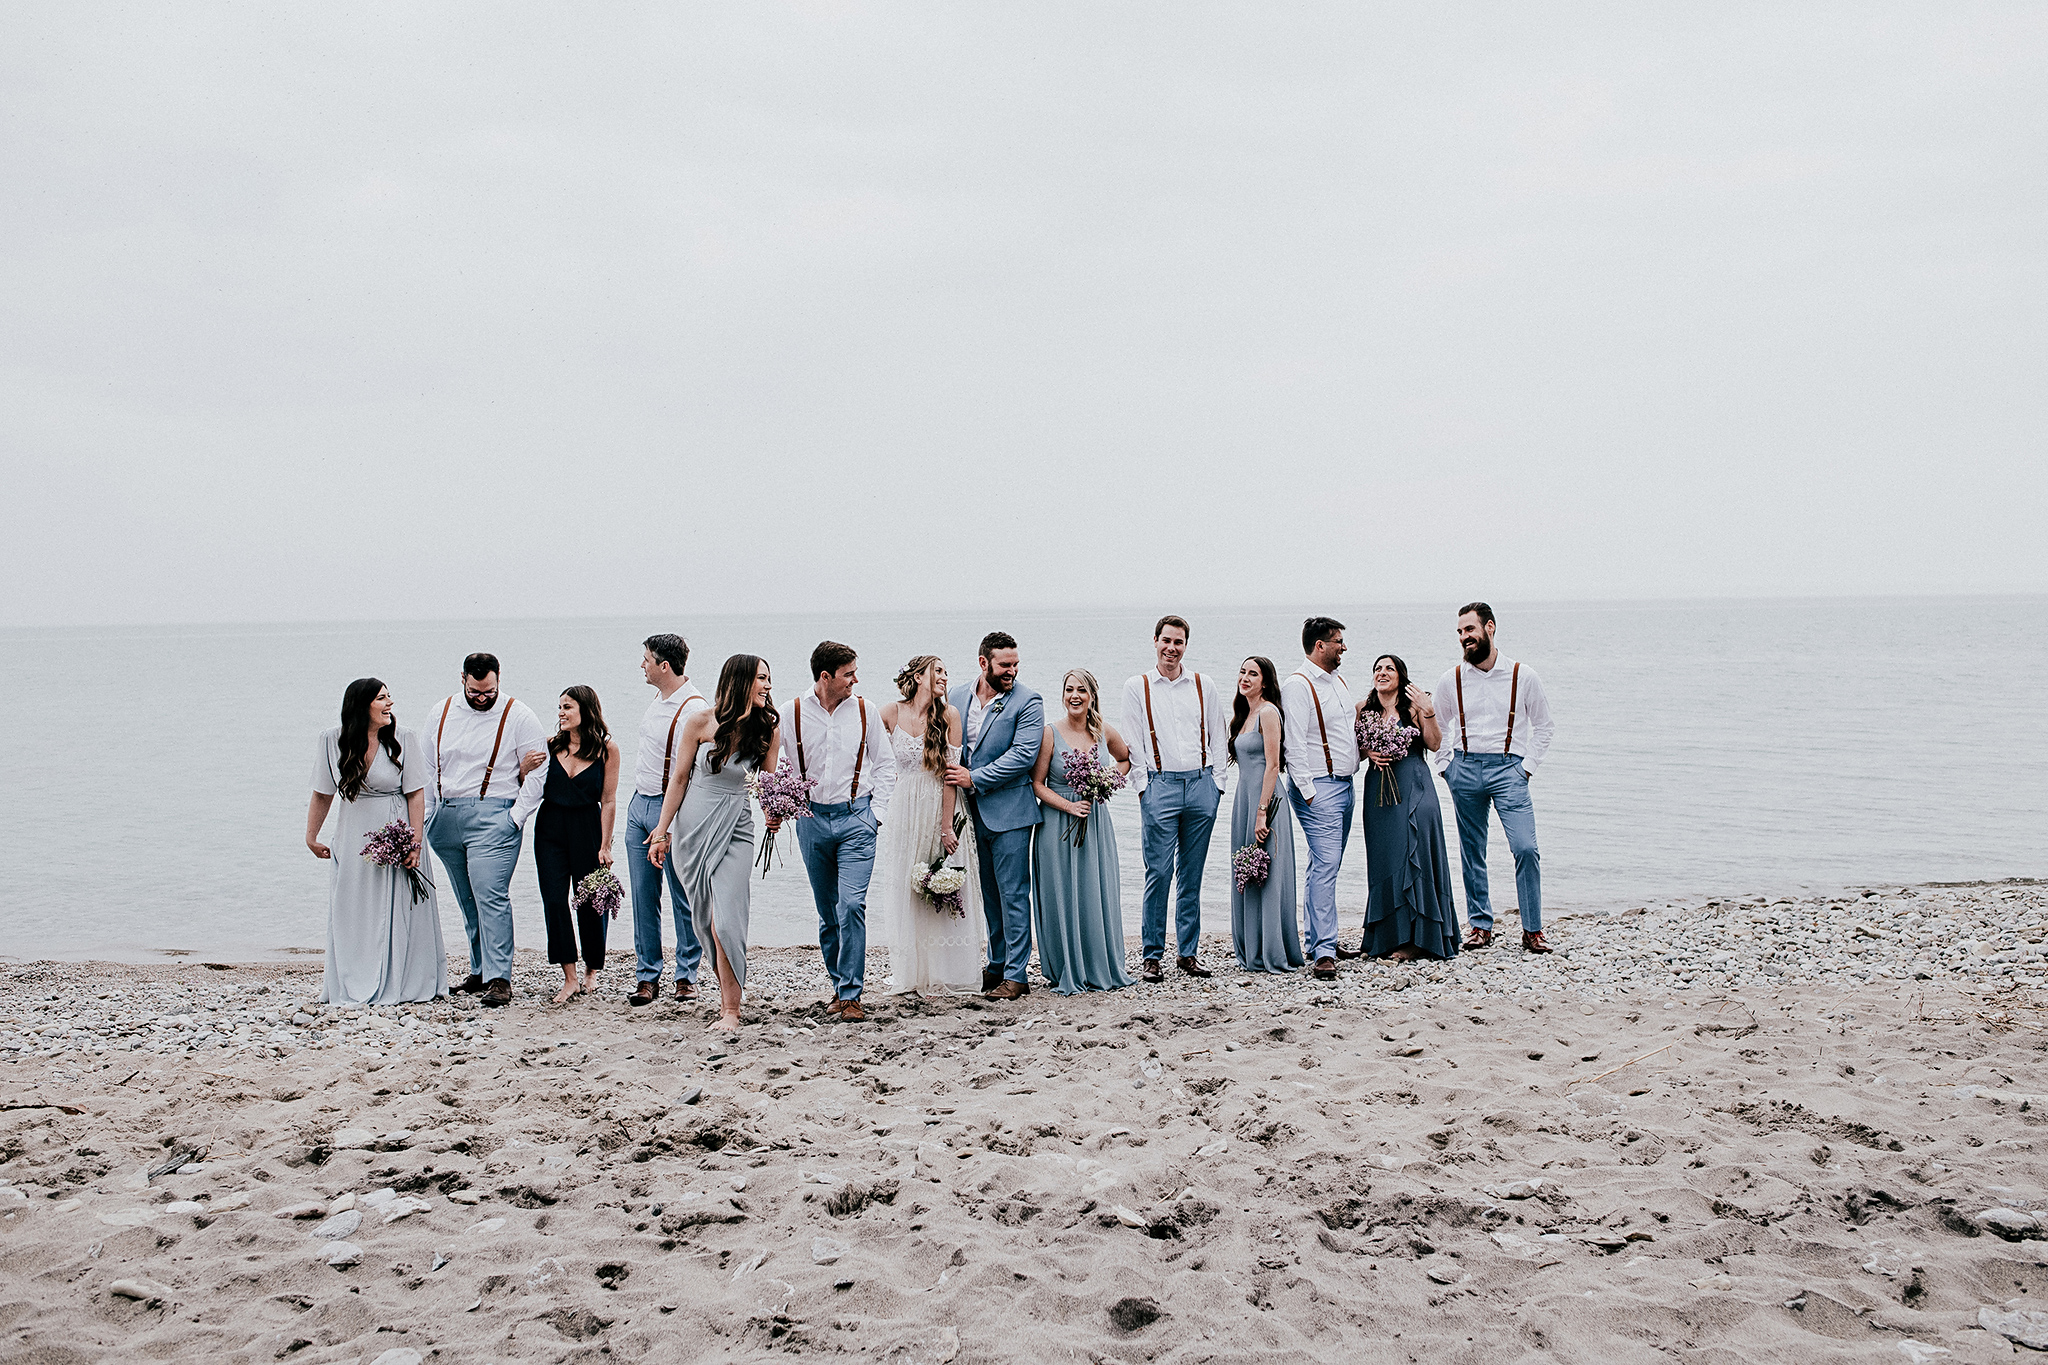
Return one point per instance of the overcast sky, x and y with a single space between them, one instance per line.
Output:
319 311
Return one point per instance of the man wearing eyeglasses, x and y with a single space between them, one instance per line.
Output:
480 745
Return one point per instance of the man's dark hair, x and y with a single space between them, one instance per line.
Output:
1317 629
672 650
480 666
1166 621
1478 609
829 657
995 640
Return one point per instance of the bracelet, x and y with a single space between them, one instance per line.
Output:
1429 715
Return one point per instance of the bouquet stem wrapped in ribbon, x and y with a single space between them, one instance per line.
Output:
391 846
1382 735
784 794
1092 782
599 893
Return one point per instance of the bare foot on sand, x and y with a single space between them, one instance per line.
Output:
727 1023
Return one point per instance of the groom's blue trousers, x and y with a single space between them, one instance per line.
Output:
838 844
1005 858
1477 781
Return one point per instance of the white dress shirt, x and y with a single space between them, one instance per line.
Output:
459 751
1307 758
1183 718
656 739
1485 722
831 742
970 725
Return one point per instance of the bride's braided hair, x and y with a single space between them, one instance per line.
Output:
934 714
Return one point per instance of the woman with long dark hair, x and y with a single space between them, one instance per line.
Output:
1409 913
707 802
1263 923
383 945
577 793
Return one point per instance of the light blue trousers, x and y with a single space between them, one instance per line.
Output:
1479 780
1325 828
838 844
1177 813
1005 859
478 844
642 812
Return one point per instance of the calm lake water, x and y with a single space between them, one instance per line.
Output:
157 798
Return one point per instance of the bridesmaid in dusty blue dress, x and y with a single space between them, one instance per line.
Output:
383 946
1077 908
1262 919
1407 866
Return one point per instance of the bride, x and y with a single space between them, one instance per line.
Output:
930 952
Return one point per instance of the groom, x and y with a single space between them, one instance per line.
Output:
1002 726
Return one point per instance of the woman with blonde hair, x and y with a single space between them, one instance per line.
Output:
1078 907
936 947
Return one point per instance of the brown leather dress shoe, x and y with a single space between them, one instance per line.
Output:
850 1012
834 1005
1326 969
1007 990
990 979
471 985
1346 954
1534 943
1191 967
499 992
1478 938
686 990
644 993
1151 971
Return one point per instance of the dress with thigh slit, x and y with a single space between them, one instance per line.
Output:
713 839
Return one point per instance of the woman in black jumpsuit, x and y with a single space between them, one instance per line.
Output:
573 833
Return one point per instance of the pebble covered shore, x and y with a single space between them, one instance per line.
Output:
1740 1129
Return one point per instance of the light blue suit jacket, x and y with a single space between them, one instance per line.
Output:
1003 755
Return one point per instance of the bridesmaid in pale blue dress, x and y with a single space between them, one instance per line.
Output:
1077 908
1263 925
383 946
1409 913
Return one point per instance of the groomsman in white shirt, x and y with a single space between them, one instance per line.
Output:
837 740
1496 724
479 752
662 661
1179 734
1322 757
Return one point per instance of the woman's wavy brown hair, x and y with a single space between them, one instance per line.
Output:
744 730
934 713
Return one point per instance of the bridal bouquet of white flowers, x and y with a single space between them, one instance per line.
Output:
940 883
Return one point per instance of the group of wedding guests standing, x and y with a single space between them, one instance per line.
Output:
976 778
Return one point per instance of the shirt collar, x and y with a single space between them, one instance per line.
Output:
1186 675
1309 666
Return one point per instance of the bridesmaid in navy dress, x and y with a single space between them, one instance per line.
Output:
577 793
1410 913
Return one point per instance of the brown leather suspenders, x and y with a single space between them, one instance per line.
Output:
1514 693
439 731
668 752
442 729
1328 763
1201 723
858 754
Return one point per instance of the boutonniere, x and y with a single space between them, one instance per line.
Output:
996 708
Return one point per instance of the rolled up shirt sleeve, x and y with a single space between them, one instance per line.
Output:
1135 730
1446 700
1536 705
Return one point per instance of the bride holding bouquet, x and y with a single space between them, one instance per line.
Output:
935 938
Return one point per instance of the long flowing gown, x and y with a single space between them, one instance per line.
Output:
382 947
1407 865
713 838
1263 924
929 953
1077 907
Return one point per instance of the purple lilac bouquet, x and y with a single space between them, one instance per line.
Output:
390 847
1249 866
599 893
1092 782
1382 735
784 794
940 883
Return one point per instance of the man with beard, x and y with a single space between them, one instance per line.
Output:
479 752
1002 725
1496 724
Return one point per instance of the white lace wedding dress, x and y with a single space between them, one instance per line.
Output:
930 953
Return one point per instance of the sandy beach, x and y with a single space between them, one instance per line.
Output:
1734 1129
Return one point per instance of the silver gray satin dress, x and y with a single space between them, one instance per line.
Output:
382 947
713 840
1263 925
